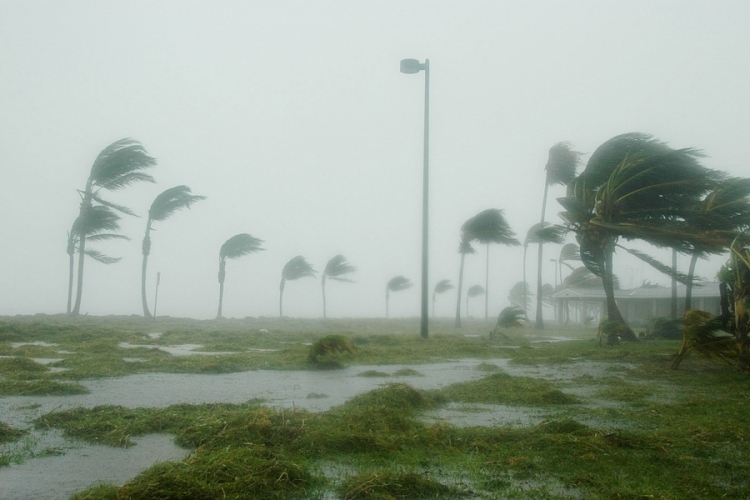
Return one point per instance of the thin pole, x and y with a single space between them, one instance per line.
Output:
425 196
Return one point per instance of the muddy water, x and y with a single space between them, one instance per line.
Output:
80 466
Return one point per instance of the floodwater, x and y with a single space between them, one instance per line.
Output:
74 466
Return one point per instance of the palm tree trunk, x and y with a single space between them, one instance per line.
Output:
613 312
79 288
222 276
525 288
539 323
71 274
673 298
281 297
323 286
146 251
458 294
689 284
486 284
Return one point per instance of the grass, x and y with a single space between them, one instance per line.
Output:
632 429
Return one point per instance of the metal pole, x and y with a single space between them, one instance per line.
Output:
425 195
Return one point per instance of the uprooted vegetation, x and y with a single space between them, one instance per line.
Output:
616 432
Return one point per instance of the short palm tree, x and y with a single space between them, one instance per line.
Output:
519 296
99 223
235 247
163 206
561 169
335 269
395 284
441 287
464 248
119 165
541 232
298 267
473 291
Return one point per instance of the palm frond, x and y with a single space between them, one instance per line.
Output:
172 200
337 267
581 277
398 283
706 335
465 248
443 286
343 280
240 245
114 165
107 237
562 163
490 226
546 233
607 157
297 267
120 208
569 251
510 317
95 220
659 266
475 290
100 257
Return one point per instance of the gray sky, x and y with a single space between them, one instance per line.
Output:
295 122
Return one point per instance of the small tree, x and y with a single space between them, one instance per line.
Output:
335 269
441 287
473 291
298 267
235 247
395 284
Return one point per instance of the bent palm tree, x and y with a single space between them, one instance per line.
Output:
519 296
335 269
561 169
441 287
93 224
541 232
473 291
490 226
163 206
395 284
298 267
235 247
119 165
464 248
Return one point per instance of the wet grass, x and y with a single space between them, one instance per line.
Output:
630 429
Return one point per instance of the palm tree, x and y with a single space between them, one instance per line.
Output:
93 224
235 247
518 296
464 248
538 233
163 206
561 169
395 284
636 187
473 291
298 267
335 269
441 286
119 165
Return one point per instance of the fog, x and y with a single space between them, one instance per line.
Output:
293 119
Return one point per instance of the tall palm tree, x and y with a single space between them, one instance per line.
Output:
562 163
235 247
163 206
298 267
95 224
490 226
538 233
635 187
473 291
395 284
464 248
335 269
441 287
119 165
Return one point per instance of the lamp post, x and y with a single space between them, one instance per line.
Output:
411 66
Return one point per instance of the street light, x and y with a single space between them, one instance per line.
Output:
411 66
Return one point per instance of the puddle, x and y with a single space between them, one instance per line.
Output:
176 350
46 361
16 345
58 477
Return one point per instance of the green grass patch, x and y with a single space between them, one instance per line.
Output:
501 388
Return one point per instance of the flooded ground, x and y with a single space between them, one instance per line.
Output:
66 466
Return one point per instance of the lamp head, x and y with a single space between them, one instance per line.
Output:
411 66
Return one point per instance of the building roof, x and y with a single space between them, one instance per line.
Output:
708 289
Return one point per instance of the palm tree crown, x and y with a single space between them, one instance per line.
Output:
298 267
235 247
335 269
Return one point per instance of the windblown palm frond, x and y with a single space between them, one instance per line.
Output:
519 294
398 283
581 277
172 200
569 252
95 220
545 233
490 226
562 164
100 257
442 286
121 164
297 267
475 291
337 267
706 335
510 317
659 266
240 245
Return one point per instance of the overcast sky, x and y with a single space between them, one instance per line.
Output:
295 122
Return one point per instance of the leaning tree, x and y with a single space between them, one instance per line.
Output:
117 166
163 207
298 267
235 247
335 269
395 284
441 287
